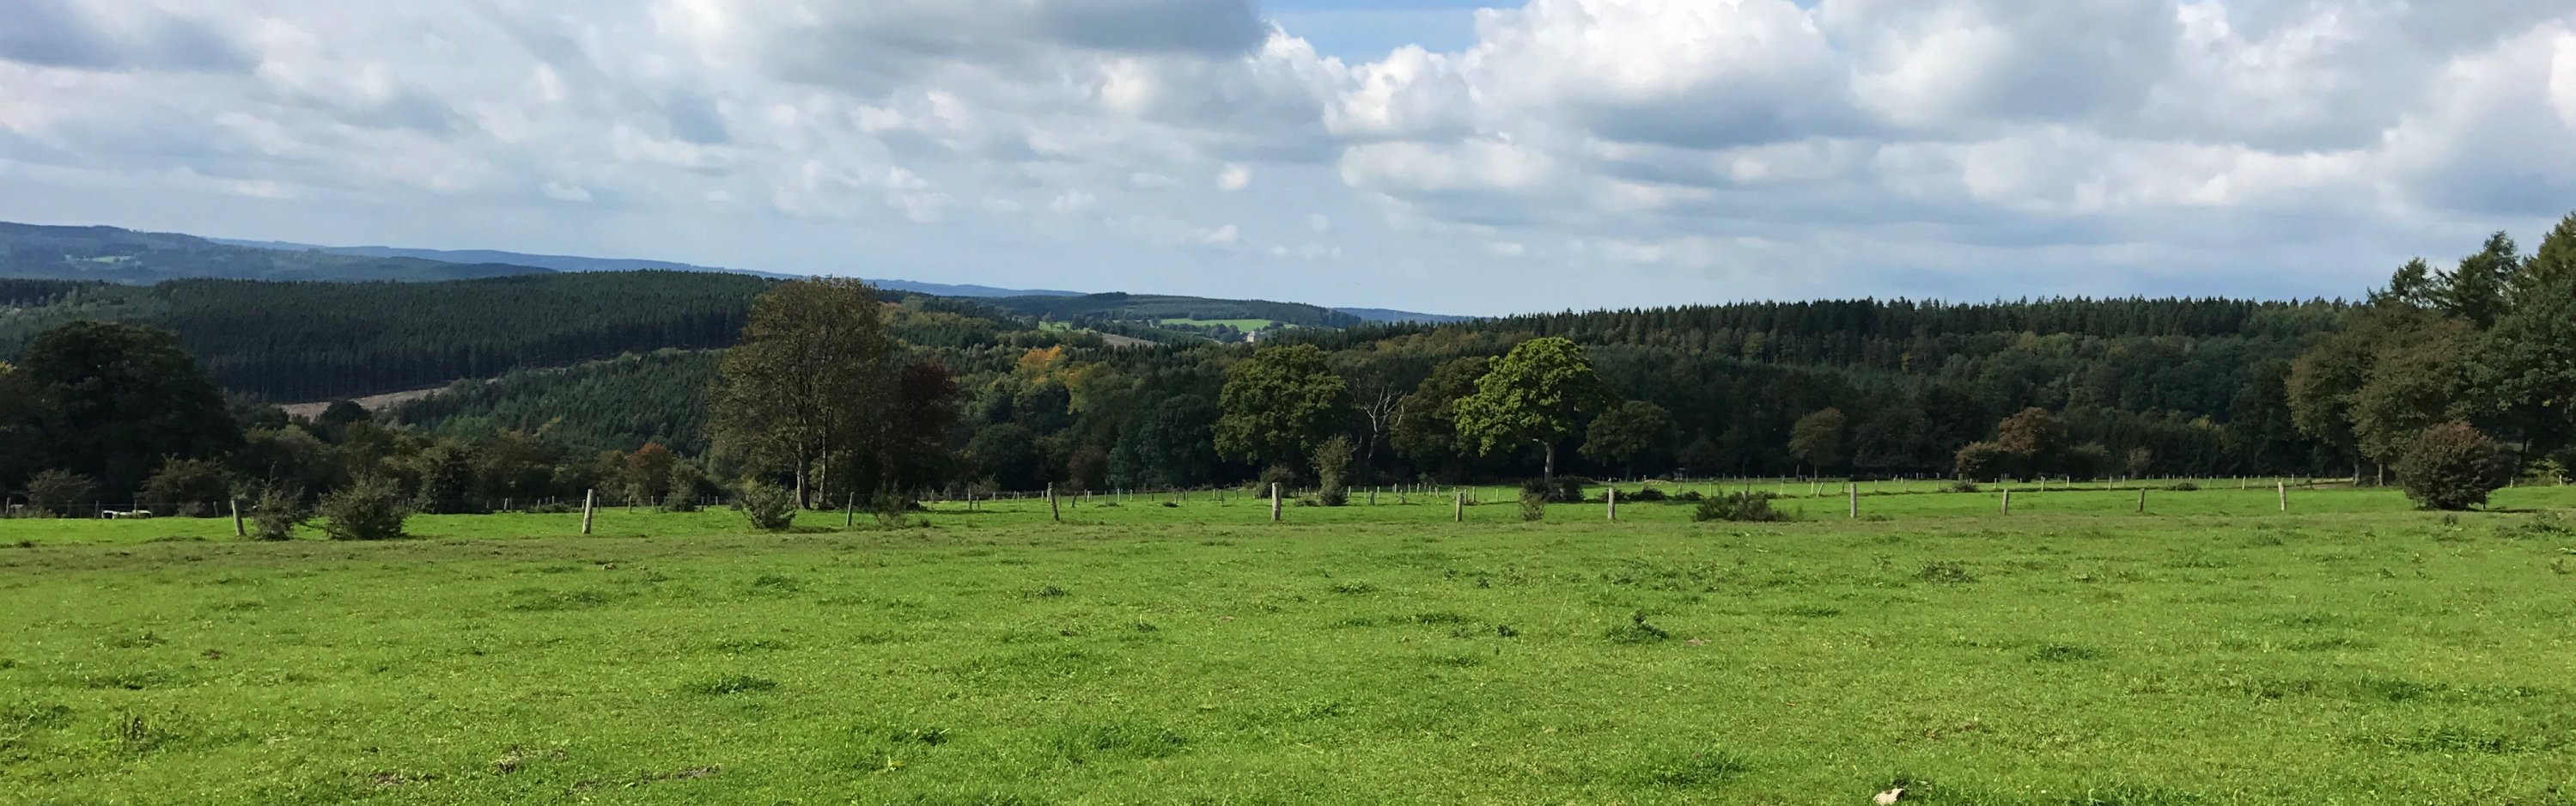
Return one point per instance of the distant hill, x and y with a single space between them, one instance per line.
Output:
116 255
1158 308
109 254
1384 316
572 263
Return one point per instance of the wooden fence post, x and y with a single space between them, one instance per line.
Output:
2142 500
1853 490
2008 500
1054 511
2283 488
1274 502
850 510
1613 498
1461 517
237 521
589 498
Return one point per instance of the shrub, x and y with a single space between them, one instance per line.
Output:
187 488
2183 487
1690 497
371 508
687 483
2546 471
1282 475
1983 461
1332 462
60 492
1962 486
1647 495
1570 489
891 509
276 512
1534 505
2452 466
770 508
1740 507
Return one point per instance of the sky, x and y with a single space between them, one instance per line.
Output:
1427 155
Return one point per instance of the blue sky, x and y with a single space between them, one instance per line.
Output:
1563 154
1359 31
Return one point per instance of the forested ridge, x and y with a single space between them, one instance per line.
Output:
316 341
613 363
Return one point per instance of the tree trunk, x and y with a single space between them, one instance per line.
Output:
1551 463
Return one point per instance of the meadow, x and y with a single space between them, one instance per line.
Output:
2213 650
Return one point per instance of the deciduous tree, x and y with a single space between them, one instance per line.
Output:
1817 439
808 391
1279 404
1627 433
1532 396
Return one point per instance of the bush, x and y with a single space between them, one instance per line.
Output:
1690 497
770 508
1738 507
687 483
1648 495
2452 466
60 492
1962 486
370 509
1571 489
2183 487
187 488
1983 461
2547 471
1332 462
275 513
1534 502
1282 475
892 509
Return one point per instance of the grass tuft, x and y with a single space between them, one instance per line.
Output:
733 684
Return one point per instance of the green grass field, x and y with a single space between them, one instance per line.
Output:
1245 325
2212 651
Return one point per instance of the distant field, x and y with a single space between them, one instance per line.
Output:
1245 325
2212 651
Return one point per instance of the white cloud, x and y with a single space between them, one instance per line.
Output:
563 192
1717 148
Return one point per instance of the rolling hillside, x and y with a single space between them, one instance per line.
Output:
569 263
109 254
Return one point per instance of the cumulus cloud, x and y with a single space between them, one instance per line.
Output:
1703 148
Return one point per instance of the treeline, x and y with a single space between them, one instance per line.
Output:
619 404
996 400
317 341
2164 376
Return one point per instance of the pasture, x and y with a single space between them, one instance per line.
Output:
1245 325
2211 651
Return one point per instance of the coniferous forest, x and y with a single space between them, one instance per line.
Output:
554 382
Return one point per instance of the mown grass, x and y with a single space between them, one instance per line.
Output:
2348 653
